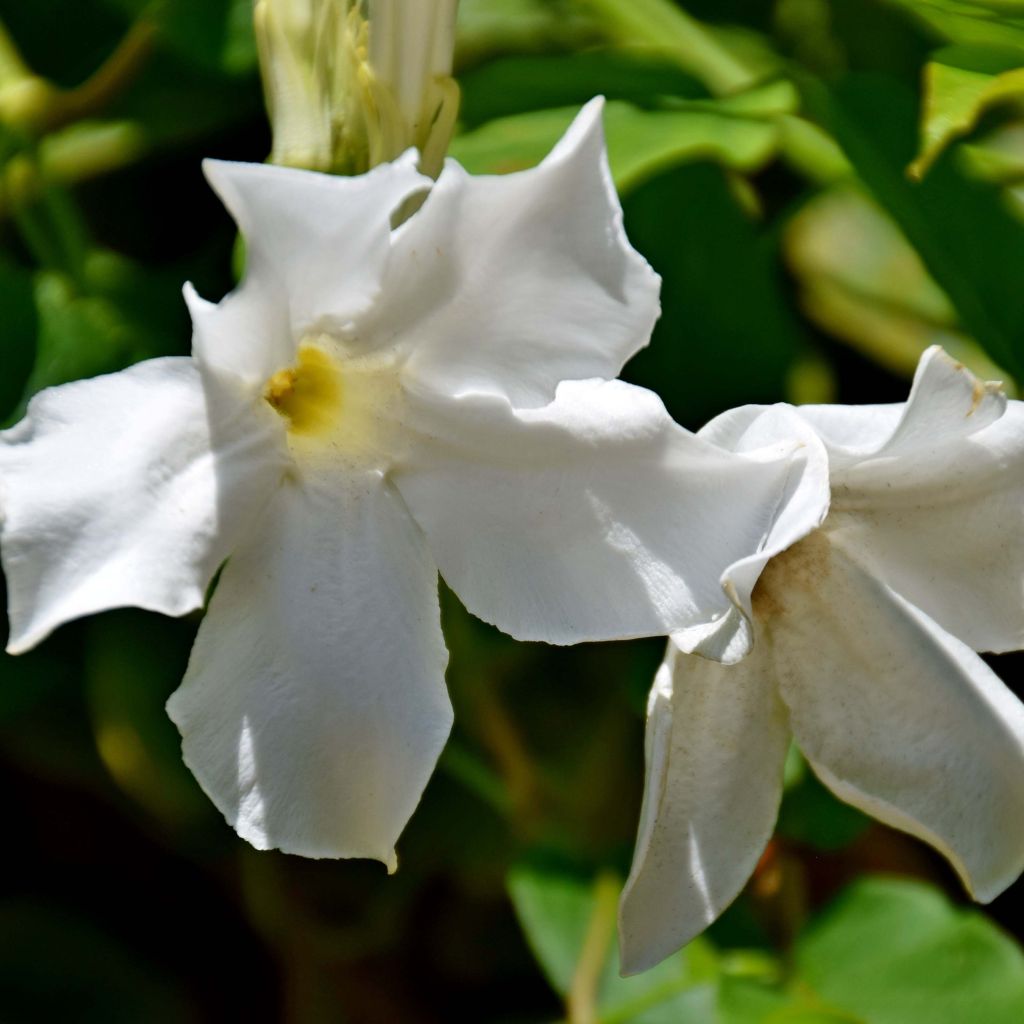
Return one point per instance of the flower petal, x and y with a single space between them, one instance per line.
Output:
898 717
716 744
316 248
507 285
128 489
937 510
594 517
314 706
772 434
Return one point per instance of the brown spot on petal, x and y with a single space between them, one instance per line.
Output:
802 567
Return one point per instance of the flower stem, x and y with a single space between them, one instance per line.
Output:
581 1003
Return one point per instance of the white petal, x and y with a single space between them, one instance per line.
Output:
938 509
314 706
594 517
128 489
771 434
716 743
507 285
946 406
898 717
316 248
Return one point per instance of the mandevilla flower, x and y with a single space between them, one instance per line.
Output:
895 557
369 405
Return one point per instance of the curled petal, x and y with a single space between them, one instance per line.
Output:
771 434
316 248
898 717
716 743
507 285
314 706
594 517
128 489
937 509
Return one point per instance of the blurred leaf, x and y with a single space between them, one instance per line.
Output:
216 33
861 280
959 227
960 83
55 967
640 143
896 952
570 925
711 351
995 22
125 316
489 27
810 814
725 62
134 662
516 85
18 338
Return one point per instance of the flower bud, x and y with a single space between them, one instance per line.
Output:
353 83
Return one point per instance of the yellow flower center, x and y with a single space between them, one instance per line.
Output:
337 405
309 395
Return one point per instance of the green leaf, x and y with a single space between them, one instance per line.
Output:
960 84
709 252
517 85
122 314
810 814
988 22
569 923
641 143
489 27
897 952
134 661
214 33
861 280
18 338
959 227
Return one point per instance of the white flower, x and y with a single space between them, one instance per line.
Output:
372 404
867 612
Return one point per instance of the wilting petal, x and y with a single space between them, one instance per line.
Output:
594 517
316 248
768 433
898 717
937 510
507 285
716 744
314 706
128 489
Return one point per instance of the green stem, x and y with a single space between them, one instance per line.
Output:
581 1003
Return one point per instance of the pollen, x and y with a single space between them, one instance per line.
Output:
309 394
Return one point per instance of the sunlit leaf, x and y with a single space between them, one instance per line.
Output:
960 83
862 281
569 923
641 143
958 226
897 952
994 22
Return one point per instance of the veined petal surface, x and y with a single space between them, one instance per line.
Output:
592 518
506 285
896 716
128 489
314 707
716 745
316 249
